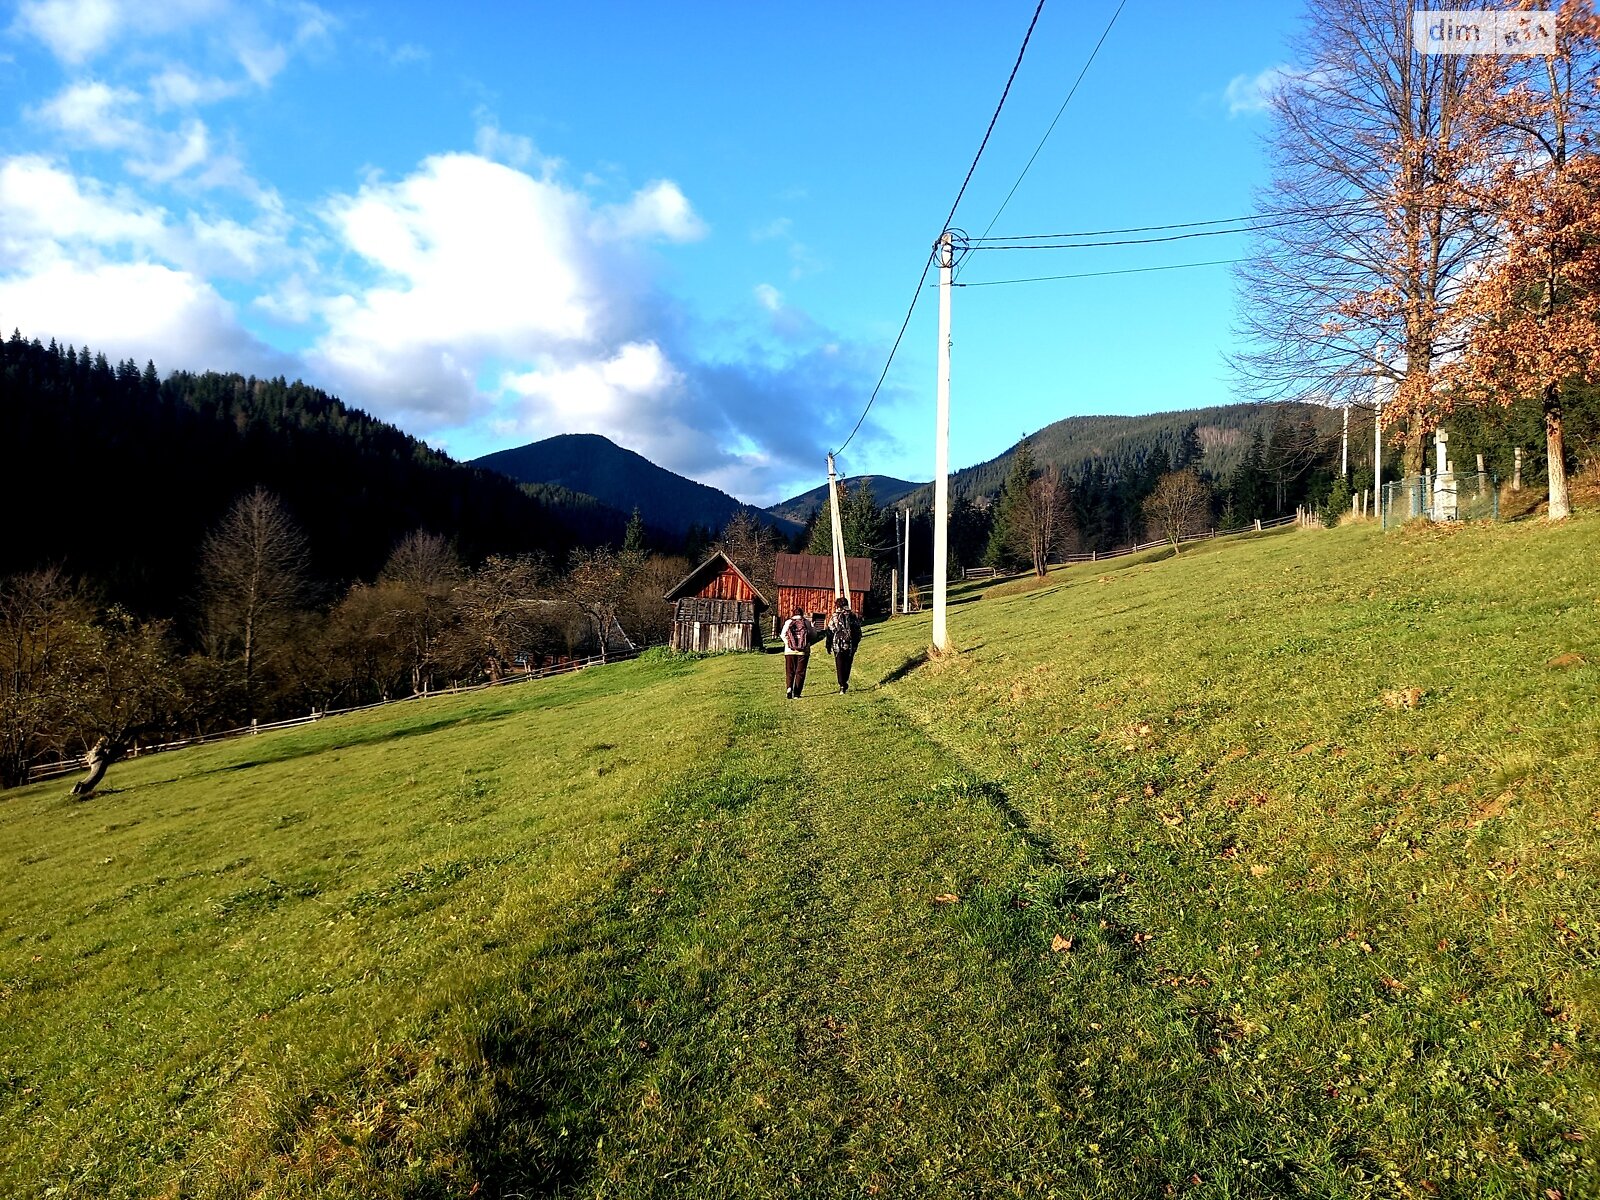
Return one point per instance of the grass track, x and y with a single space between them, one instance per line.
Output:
654 931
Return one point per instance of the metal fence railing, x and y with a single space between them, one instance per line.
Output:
1452 496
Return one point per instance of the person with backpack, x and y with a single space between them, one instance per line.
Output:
796 654
844 635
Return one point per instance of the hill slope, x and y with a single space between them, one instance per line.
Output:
1110 448
143 467
597 466
1225 875
886 489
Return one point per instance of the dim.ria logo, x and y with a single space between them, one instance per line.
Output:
1483 31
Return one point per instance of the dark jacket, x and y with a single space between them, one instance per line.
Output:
844 631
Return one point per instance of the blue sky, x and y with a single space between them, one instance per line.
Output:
694 228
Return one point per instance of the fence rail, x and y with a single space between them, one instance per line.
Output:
71 766
1067 560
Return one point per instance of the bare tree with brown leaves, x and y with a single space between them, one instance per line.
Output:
1364 236
1179 506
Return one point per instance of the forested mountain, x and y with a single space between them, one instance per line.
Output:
598 467
1111 448
886 490
116 475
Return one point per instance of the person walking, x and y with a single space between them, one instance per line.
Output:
796 654
844 635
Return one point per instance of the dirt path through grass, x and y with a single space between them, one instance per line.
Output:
824 967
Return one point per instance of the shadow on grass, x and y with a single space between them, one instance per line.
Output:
911 663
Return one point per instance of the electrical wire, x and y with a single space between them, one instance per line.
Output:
1215 262
928 262
1341 208
1140 241
1093 54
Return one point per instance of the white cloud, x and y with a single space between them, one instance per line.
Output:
175 154
77 31
659 209
178 87
603 394
513 149
466 263
93 113
1253 93
769 297
74 30
136 310
43 210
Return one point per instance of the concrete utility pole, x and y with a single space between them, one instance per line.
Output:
1377 442
1344 446
905 576
941 451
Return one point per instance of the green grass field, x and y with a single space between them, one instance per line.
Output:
1266 871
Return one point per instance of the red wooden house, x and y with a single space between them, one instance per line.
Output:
716 607
804 582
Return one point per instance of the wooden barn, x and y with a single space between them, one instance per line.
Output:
716 607
805 582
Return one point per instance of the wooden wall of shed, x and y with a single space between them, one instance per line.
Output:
705 624
812 600
727 586
709 636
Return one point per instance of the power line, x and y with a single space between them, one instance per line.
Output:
917 294
1093 54
1215 262
1341 208
1020 244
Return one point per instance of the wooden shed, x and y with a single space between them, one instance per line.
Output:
716 607
805 582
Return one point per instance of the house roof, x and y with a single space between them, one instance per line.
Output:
709 570
816 571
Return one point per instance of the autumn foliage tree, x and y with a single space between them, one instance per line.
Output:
1363 236
1530 319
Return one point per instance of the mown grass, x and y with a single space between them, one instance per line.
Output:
1270 870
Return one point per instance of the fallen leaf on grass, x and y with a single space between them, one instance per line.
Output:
1140 939
1060 944
1260 869
1562 661
1394 985
1575 1135
947 898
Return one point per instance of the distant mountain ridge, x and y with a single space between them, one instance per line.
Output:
886 489
596 466
1113 446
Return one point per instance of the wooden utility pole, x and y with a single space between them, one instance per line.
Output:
841 569
941 452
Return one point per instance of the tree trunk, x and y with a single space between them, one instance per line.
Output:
1556 449
104 753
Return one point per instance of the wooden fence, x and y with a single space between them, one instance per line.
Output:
1137 548
72 766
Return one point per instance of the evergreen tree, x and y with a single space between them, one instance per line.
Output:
633 536
1003 552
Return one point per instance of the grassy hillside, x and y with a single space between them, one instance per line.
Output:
1268 871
